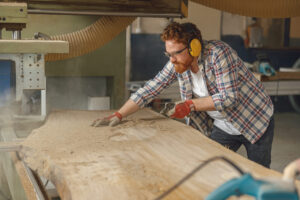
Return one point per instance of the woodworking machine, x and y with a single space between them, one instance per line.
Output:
28 56
28 66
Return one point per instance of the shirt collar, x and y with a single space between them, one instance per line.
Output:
201 57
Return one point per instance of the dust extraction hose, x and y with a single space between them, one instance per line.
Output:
92 37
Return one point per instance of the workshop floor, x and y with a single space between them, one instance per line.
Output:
286 142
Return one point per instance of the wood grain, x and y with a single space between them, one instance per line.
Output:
138 159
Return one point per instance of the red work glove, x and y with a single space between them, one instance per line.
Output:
181 109
111 120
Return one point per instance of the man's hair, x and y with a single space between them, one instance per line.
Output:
181 33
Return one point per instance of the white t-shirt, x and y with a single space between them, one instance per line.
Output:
200 89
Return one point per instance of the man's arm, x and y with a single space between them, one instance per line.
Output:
183 109
226 67
128 108
204 104
141 97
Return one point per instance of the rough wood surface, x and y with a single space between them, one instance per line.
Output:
139 159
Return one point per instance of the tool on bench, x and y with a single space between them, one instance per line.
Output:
263 65
179 109
167 107
261 189
166 111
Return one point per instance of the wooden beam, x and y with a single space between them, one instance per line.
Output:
33 46
139 159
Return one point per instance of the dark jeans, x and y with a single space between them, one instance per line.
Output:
259 152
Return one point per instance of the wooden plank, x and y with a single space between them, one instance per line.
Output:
139 159
33 46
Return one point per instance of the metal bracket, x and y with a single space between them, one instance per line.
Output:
34 71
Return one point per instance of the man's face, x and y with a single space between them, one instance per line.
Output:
179 55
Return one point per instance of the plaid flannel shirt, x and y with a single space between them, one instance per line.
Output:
236 93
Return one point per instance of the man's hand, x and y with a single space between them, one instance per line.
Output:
111 120
181 109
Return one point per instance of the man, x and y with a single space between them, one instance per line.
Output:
220 96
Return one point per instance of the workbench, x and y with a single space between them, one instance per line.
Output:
283 83
139 159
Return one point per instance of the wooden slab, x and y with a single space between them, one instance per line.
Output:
137 160
33 46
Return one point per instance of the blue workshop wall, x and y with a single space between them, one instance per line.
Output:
5 81
147 56
279 57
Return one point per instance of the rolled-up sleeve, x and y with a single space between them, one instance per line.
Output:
224 64
153 87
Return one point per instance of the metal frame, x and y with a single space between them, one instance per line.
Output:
128 14
30 75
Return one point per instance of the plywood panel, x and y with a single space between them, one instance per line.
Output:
138 159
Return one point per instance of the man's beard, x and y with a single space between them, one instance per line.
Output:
180 67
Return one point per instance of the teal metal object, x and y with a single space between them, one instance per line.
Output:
266 69
260 189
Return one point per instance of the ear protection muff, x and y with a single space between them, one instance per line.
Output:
194 44
195 47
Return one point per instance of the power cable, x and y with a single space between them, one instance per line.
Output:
192 173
